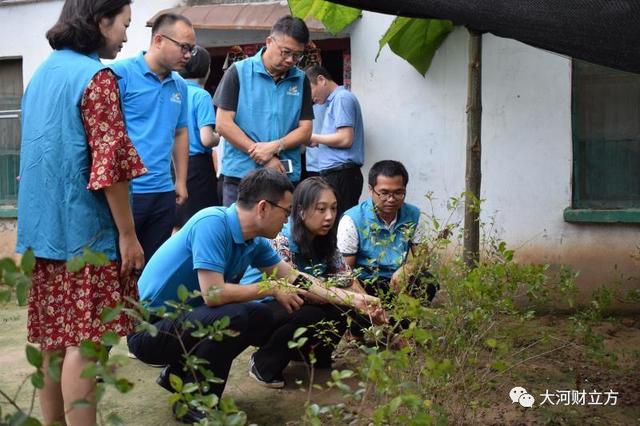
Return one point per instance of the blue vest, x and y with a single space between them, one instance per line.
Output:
266 111
57 215
380 251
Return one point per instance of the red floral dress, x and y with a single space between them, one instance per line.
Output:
65 307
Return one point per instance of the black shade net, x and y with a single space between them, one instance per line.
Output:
605 32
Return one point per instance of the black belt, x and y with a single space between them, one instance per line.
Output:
341 167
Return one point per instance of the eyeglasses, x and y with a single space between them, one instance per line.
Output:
384 195
286 210
184 47
286 53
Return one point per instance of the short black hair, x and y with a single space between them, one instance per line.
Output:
314 71
168 20
388 168
292 27
199 64
77 27
262 184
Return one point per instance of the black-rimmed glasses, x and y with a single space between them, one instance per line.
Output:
286 210
286 53
384 195
184 47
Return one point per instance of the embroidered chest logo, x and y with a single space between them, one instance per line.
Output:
176 98
293 91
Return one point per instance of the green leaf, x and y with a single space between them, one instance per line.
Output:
115 420
176 383
416 40
7 264
20 418
88 349
109 314
395 404
34 356
491 343
28 262
190 388
37 380
94 258
81 403
75 264
89 371
183 293
334 17
123 385
110 338
181 409
53 367
299 332
22 291
5 296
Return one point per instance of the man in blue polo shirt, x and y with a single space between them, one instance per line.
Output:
265 108
210 254
340 141
154 100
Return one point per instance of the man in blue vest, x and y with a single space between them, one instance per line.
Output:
265 110
340 140
377 236
154 100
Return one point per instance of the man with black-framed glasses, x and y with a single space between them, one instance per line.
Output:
265 110
154 100
377 236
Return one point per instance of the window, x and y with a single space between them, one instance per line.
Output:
606 145
10 99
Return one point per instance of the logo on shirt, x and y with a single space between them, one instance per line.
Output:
293 91
176 97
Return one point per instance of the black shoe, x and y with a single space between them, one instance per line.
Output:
275 383
190 417
163 378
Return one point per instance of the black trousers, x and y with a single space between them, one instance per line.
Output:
202 187
253 322
274 355
154 215
347 184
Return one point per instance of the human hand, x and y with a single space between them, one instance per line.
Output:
313 141
262 152
131 255
181 193
275 163
288 297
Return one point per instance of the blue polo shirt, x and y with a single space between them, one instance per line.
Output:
153 110
311 154
200 114
343 110
212 240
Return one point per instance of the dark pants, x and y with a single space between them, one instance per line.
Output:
253 322
230 190
202 187
347 183
275 354
154 215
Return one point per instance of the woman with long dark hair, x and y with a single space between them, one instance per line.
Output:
308 243
76 161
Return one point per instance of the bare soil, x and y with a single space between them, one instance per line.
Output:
551 365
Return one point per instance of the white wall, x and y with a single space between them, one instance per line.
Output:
23 28
526 139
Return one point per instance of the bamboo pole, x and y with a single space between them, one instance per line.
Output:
473 169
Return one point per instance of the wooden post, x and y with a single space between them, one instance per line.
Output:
473 170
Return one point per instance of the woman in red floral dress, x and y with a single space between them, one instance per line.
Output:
76 163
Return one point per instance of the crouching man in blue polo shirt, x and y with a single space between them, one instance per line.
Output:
210 254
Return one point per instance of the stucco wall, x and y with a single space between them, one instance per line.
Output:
526 139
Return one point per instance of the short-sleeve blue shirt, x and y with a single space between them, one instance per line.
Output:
311 154
211 240
200 115
153 110
343 110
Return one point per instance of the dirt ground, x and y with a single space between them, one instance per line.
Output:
537 367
